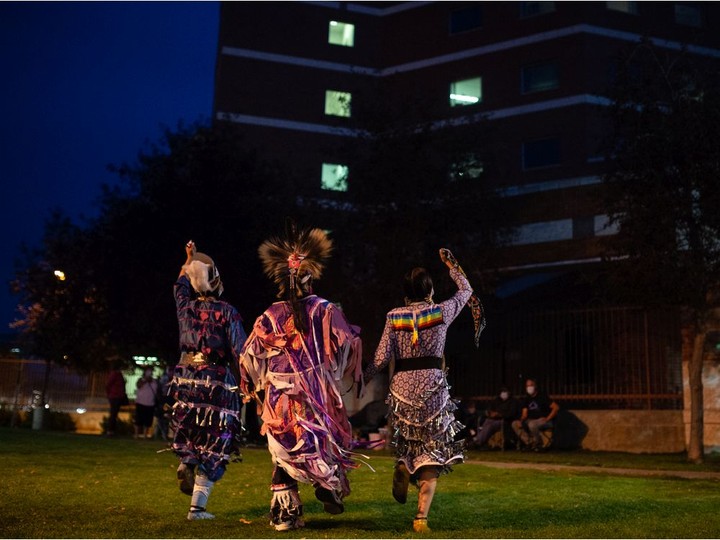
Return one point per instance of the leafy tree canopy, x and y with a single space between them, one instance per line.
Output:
206 184
664 178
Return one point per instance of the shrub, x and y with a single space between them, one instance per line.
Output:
52 420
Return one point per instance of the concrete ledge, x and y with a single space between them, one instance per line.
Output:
656 432
653 432
90 422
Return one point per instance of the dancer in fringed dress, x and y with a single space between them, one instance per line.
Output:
421 411
205 415
297 354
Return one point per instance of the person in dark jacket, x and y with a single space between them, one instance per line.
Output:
500 414
538 412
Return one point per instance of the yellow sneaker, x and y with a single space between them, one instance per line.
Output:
420 525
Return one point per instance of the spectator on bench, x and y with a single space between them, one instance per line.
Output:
538 411
503 410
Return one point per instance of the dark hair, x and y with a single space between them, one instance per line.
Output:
293 296
418 284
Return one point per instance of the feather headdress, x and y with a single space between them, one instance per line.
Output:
291 261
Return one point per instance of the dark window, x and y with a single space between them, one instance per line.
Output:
539 77
541 153
584 227
531 9
688 14
625 7
468 168
463 20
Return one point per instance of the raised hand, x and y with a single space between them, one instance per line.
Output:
448 258
190 249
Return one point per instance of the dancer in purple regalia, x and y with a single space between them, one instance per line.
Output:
295 358
421 411
205 415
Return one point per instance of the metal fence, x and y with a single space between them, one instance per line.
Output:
22 383
603 358
600 358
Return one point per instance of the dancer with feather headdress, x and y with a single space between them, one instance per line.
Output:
298 352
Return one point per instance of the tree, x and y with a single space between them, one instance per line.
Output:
62 312
205 183
663 194
62 309
417 182
197 182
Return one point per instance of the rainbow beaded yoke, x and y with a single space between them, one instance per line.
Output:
416 320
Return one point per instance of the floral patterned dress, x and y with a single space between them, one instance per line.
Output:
306 423
421 410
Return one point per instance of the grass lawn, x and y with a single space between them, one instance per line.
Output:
62 485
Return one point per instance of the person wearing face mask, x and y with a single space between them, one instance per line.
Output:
470 417
538 411
503 410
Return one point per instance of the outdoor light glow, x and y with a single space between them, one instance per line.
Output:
15 350
80 410
464 98
59 274
47 405
333 23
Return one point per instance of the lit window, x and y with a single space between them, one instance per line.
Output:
539 77
467 92
340 33
466 19
625 7
688 14
541 153
334 177
469 168
530 9
337 103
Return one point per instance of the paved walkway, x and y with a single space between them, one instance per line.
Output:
705 475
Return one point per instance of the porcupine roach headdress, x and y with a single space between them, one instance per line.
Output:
292 262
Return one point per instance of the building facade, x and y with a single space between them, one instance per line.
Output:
293 77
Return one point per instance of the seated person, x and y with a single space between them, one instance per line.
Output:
499 415
470 417
538 411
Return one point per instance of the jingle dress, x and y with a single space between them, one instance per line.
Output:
421 411
306 423
206 413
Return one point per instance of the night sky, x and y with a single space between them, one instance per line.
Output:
85 85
